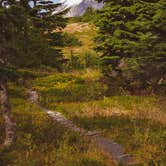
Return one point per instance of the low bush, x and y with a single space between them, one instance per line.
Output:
64 39
68 88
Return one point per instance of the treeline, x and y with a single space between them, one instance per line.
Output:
132 40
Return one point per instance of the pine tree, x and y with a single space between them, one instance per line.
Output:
23 44
10 32
88 15
132 41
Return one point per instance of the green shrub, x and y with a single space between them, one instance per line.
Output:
68 88
74 62
91 60
64 39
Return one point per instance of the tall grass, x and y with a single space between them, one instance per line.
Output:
43 142
133 121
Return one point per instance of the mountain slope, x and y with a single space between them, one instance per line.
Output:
79 9
70 3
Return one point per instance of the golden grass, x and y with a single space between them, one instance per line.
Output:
40 141
88 74
130 106
85 32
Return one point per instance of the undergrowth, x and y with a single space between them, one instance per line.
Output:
68 88
43 142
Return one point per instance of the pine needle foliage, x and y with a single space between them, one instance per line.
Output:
132 39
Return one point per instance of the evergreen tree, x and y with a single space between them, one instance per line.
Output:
88 15
132 41
10 32
23 44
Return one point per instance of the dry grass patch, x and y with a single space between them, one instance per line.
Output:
77 27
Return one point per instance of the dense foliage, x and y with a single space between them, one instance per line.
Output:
24 42
132 41
89 15
25 38
64 39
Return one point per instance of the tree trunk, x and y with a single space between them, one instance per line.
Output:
10 132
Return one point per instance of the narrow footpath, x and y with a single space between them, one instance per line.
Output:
111 148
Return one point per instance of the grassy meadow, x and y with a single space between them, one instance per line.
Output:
136 122
83 55
41 141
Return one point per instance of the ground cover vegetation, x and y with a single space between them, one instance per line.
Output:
136 122
24 36
40 141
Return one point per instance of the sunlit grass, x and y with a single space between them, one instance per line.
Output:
138 123
86 36
70 87
41 141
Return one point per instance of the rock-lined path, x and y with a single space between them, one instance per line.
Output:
108 146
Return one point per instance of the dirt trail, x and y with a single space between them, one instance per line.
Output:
113 149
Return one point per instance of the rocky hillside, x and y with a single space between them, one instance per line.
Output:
79 9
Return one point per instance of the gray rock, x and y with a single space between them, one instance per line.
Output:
79 10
